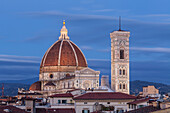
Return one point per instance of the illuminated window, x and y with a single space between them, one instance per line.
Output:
121 54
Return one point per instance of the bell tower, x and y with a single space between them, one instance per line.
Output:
120 60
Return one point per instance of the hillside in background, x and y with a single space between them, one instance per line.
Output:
11 86
137 86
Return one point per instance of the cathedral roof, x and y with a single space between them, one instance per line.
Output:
64 53
50 84
35 86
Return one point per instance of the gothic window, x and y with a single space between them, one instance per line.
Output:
120 72
120 86
68 85
124 72
64 85
124 87
121 54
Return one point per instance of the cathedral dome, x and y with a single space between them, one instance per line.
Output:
63 53
35 86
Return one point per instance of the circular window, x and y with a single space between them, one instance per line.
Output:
51 75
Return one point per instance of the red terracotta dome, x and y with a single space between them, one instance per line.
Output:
35 86
63 53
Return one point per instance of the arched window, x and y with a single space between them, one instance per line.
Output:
120 72
68 85
120 86
124 87
121 54
64 85
124 72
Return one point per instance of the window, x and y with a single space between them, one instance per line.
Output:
124 87
28 109
120 86
85 102
51 75
59 101
64 101
68 85
85 111
124 72
108 102
121 54
120 72
71 101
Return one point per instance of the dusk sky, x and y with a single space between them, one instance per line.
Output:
29 28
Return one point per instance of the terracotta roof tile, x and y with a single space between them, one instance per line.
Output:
139 101
50 83
35 86
62 95
55 110
104 95
11 109
67 57
146 109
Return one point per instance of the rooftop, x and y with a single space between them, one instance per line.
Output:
55 110
62 95
11 109
146 109
104 96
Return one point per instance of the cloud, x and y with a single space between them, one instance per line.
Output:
86 47
104 10
104 50
153 15
68 15
15 58
158 49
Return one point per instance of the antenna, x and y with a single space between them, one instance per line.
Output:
119 23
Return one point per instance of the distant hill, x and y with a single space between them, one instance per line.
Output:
137 86
11 89
11 86
24 81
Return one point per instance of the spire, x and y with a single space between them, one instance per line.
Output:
63 32
119 23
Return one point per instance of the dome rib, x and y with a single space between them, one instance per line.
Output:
60 52
63 53
74 53
79 55
47 53
67 57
